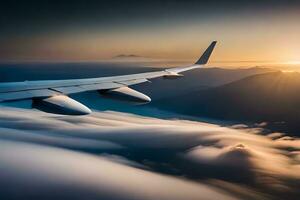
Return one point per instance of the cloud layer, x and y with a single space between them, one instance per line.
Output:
115 155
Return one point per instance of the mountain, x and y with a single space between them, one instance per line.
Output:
197 79
271 97
127 56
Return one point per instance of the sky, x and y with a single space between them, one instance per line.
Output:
259 31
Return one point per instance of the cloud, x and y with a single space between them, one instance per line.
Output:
37 171
116 155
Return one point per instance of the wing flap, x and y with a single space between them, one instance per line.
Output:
98 86
68 90
133 82
9 96
90 87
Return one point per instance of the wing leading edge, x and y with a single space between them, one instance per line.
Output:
15 91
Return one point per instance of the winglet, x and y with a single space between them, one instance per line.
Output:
205 56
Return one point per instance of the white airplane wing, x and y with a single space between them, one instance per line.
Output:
51 95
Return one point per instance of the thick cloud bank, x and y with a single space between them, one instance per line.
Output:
112 155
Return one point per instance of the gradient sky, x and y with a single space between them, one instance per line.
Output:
93 30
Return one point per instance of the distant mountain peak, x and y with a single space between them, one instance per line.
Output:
127 56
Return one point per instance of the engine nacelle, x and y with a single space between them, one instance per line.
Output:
172 75
126 94
61 104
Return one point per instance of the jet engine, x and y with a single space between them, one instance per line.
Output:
60 104
172 75
126 94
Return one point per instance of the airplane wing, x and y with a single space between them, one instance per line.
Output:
51 95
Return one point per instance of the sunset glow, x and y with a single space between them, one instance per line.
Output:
250 34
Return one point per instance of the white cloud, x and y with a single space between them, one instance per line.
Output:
125 142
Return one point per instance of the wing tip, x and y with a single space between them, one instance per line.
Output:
207 53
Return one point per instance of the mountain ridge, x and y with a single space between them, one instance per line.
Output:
271 97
